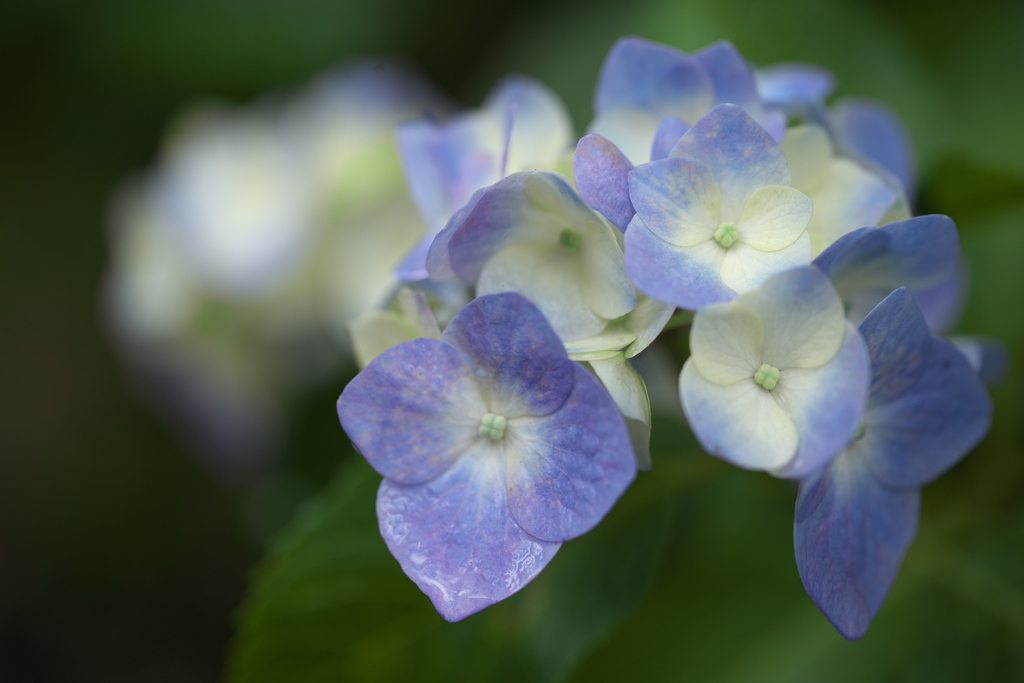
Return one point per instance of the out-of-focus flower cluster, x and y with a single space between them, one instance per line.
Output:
708 194
239 259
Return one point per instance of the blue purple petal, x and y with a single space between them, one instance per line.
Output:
732 78
899 343
734 84
920 434
871 131
493 222
413 266
916 253
413 410
671 274
522 360
943 303
850 536
438 261
602 177
794 85
454 537
835 257
644 75
677 199
497 216
740 154
444 164
569 467
669 132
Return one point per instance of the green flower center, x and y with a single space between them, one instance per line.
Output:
492 426
570 240
726 235
767 376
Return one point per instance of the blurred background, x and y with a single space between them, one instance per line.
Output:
127 556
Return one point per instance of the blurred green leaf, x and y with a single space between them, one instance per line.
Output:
727 605
993 245
726 581
965 188
331 604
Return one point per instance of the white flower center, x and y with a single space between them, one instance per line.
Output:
492 426
726 235
767 376
570 240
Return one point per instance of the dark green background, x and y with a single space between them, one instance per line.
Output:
122 560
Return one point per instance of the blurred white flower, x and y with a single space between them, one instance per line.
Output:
239 260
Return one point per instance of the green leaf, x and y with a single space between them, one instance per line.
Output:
971 191
329 603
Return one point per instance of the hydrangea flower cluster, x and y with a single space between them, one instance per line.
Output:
814 355
499 276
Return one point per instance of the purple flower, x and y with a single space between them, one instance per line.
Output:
856 518
643 82
495 448
777 379
522 126
647 97
531 233
717 217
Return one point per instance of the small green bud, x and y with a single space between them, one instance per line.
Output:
492 426
570 240
767 376
726 235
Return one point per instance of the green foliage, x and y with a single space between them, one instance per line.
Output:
331 604
691 575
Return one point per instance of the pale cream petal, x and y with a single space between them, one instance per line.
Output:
849 197
774 217
548 276
627 389
647 321
740 422
632 131
725 342
808 151
802 316
745 268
